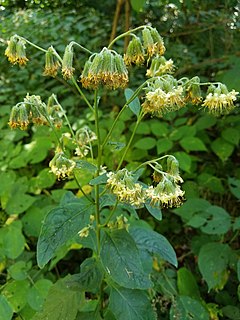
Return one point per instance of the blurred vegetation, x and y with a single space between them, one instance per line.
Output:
203 38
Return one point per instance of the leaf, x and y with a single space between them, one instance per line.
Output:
231 312
117 145
218 221
6 311
192 144
16 294
19 270
154 211
234 185
163 145
128 304
60 225
159 129
89 278
135 104
212 262
121 260
37 294
191 206
37 150
205 122
211 182
222 148
20 203
188 309
185 161
85 165
102 179
238 270
154 243
231 135
145 143
61 303
187 285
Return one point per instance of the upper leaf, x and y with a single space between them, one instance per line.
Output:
121 260
135 104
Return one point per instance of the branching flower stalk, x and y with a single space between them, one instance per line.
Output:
116 187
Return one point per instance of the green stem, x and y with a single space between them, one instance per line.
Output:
99 159
124 35
131 139
110 214
32 44
79 45
81 189
82 94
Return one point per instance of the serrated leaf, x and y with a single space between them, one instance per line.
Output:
60 225
135 105
192 144
61 303
188 309
222 148
130 304
154 211
6 311
89 278
154 243
213 261
121 260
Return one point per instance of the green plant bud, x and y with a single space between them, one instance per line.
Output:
51 63
67 63
224 89
61 166
158 40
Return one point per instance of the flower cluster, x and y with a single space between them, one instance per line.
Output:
84 137
163 95
32 109
152 41
67 63
159 66
134 53
219 100
123 185
15 51
61 166
165 192
193 91
106 68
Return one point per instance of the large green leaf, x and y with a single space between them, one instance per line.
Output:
16 294
222 148
154 243
145 143
37 294
192 144
128 304
121 260
213 262
164 145
61 303
61 225
187 284
188 309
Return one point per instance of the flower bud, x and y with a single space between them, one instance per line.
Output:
21 52
19 117
67 63
61 166
11 51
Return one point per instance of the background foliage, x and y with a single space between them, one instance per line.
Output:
202 37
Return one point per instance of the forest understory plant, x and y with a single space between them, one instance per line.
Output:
116 281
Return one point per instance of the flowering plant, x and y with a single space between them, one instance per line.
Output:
104 219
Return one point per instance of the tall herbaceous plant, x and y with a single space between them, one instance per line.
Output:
116 278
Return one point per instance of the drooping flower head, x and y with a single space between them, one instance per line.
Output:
219 100
192 91
134 53
159 66
16 51
107 69
61 166
123 185
67 63
51 63
152 41
84 137
163 95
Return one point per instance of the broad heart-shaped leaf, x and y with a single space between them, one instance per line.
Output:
6 310
154 243
121 260
61 303
186 308
213 260
60 225
127 304
89 278
135 104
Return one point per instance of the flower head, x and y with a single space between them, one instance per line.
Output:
134 53
11 51
123 185
19 117
193 91
67 63
84 137
51 63
106 68
219 100
16 51
160 66
61 166
152 41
